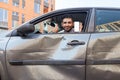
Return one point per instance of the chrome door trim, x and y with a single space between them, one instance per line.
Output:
47 62
103 62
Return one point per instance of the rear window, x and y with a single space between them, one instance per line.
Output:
107 20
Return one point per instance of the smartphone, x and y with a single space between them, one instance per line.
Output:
76 26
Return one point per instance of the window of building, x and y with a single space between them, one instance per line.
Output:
3 18
46 3
37 6
23 18
4 15
107 20
15 13
6 1
14 23
52 7
15 19
23 3
15 2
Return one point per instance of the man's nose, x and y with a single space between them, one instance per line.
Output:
67 24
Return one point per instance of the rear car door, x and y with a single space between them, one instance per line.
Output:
103 55
43 55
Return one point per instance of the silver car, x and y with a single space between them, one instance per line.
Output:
37 51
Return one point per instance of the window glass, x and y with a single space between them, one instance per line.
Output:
15 13
3 18
15 2
37 7
4 15
4 1
23 18
107 20
1 13
14 23
15 19
66 23
46 4
46 0
23 3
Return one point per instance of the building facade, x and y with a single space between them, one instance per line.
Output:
15 12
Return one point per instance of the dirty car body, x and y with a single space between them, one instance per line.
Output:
34 52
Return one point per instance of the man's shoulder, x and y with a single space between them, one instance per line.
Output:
62 31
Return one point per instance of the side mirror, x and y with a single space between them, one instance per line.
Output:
25 29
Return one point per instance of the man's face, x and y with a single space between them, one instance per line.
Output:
67 24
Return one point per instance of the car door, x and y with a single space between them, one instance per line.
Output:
103 55
43 55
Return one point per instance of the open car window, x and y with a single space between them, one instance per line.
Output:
54 24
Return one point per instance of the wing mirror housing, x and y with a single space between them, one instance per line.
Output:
25 29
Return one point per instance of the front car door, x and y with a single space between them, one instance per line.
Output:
103 55
47 55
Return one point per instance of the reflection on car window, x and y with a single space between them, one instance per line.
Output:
47 26
107 20
54 24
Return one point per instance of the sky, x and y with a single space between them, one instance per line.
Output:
60 4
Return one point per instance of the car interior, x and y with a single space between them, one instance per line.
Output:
53 24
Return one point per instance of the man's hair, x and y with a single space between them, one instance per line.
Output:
67 16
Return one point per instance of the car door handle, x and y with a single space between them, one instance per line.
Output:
76 42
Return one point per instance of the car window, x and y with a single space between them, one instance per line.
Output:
54 24
107 20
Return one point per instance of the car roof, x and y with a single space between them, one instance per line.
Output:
71 10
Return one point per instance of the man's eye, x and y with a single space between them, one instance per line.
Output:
64 22
69 22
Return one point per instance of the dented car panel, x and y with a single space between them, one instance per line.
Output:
3 70
48 55
103 57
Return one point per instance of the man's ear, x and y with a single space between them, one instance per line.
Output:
61 24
